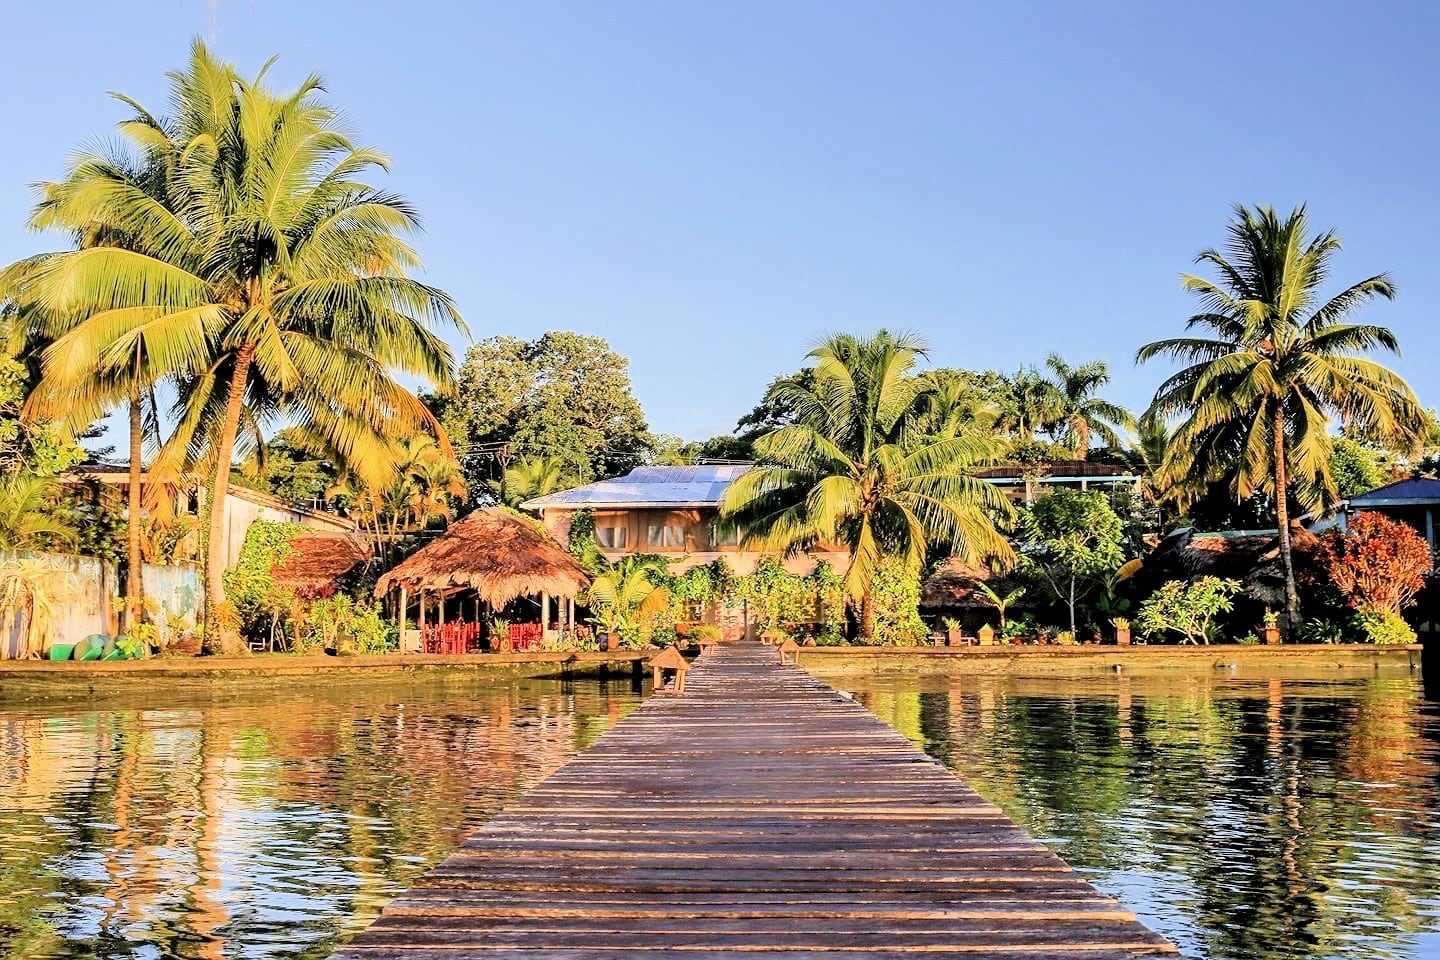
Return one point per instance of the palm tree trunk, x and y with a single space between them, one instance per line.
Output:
867 616
1282 519
215 548
134 563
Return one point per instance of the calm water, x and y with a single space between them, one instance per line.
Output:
273 825
1246 820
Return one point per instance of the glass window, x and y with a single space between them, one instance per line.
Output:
724 535
612 538
666 536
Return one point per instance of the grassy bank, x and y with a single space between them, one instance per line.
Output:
32 680
1054 661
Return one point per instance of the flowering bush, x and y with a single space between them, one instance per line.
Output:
1378 564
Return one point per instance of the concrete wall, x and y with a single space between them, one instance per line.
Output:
96 603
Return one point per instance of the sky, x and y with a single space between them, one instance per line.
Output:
713 186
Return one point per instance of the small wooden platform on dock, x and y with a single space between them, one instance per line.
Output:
760 812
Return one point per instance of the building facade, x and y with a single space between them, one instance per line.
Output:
670 511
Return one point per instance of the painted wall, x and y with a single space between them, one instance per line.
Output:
95 603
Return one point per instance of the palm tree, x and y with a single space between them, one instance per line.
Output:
270 269
627 593
851 470
29 519
1078 412
76 395
1001 602
1257 398
531 477
1036 403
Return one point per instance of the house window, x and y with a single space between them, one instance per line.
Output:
612 538
724 535
666 536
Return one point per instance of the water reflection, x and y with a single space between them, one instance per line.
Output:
1246 820
273 825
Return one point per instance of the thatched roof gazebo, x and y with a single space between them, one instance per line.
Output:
315 563
496 556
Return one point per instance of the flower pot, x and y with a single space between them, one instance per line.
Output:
1122 636
1272 636
604 640
953 638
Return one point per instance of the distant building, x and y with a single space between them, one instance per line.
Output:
1070 474
243 507
670 511
1415 501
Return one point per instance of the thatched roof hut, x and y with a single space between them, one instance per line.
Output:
315 563
1252 557
494 553
955 586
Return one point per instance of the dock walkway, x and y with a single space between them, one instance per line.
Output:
764 813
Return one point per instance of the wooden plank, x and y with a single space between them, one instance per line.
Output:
760 812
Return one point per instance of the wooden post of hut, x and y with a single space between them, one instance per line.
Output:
671 660
791 650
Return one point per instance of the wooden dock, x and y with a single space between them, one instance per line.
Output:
764 813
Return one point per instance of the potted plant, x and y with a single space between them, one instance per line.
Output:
953 635
1122 631
1272 627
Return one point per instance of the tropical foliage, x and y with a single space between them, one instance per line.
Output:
851 471
263 271
1257 397
1070 540
1377 563
1187 608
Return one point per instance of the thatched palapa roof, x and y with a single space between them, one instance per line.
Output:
497 554
316 562
955 585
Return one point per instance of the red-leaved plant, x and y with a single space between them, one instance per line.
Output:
1378 564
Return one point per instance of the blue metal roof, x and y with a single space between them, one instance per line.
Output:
1413 488
699 486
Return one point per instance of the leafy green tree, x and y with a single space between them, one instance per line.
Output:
564 396
1355 467
1070 540
1188 609
289 467
272 270
851 471
1256 399
1079 413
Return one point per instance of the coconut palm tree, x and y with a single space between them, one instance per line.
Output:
851 470
1257 397
1078 413
271 269
76 396
531 477
1036 404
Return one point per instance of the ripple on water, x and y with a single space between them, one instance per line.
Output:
273 825
1245 820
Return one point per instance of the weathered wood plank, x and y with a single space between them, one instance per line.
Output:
760 812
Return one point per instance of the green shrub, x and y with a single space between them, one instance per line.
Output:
1384 626
1188 609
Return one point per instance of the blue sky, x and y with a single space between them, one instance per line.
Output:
712 186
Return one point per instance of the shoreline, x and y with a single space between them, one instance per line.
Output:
30 681
1142 660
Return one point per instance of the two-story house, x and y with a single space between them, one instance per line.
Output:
671 511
